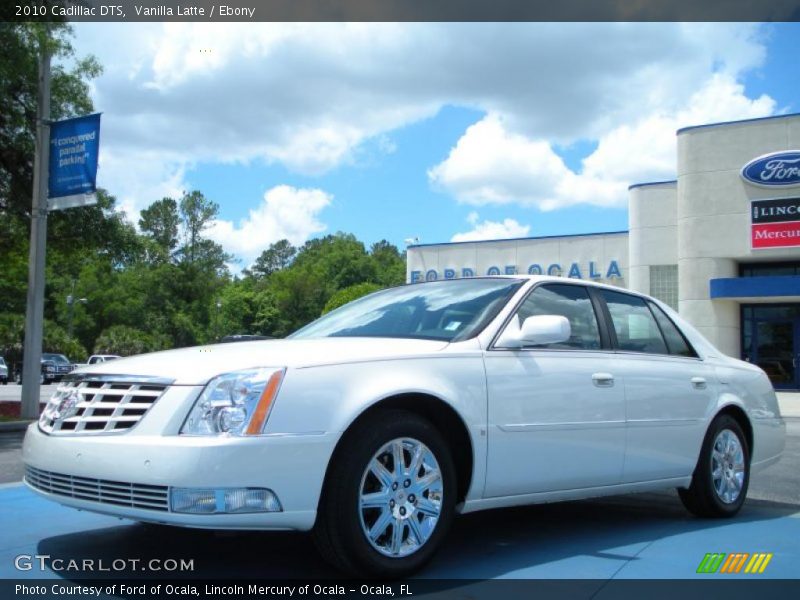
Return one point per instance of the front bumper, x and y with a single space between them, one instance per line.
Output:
293 466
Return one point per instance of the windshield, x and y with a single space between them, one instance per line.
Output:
443 310
56 358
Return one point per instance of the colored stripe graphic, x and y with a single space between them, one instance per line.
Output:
719 562
734 563
758 563
711 563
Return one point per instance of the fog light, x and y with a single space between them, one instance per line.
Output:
230 500
193 501
251 500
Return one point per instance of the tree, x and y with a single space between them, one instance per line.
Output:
390 265
20 45
12 335
56 340
348 294
127 341
159 222
274 258
197 213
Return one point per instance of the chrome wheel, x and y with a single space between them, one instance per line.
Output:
727 466
400 497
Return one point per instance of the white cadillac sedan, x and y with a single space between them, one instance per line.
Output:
374 425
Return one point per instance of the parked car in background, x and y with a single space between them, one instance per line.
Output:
54 367
3 371
243 337
374 425
61 365
96 359
47 372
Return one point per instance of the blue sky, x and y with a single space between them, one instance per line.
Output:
441 132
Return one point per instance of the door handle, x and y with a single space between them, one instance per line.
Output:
603 379
699 383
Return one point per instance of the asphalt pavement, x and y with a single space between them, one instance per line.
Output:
13 392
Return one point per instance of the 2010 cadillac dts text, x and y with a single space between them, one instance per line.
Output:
375 424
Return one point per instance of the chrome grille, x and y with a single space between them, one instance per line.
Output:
118 493
97 406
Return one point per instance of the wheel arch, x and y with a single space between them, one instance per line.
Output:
740 416
441 414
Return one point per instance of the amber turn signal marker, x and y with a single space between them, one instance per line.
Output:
264 403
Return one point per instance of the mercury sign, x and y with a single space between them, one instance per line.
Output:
574 270
774 170
74 145
775 223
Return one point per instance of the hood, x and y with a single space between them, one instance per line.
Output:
197 365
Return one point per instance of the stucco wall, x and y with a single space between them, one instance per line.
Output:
713 216
652 215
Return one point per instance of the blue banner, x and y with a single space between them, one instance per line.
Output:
74 146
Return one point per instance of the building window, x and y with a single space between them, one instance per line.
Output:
664 284
769 269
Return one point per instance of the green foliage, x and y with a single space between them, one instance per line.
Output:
159 223
274 258
166 285
12 336
349 294
20 44
127 341
57 340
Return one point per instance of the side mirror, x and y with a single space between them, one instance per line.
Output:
535 331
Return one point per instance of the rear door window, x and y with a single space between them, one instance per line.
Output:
676 343
634 324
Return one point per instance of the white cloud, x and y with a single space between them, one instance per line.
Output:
286 212
140 178
308 96
492 164
491 230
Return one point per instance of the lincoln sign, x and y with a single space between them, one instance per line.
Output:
775 223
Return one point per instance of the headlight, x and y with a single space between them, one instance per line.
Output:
49 369
235 403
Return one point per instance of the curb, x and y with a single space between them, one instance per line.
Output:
14 425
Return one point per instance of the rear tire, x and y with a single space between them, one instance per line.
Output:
722 475
381 516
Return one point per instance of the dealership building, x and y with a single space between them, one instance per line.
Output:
720 243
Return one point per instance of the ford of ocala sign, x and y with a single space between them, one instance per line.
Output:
774 170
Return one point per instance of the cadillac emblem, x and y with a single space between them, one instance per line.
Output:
67 406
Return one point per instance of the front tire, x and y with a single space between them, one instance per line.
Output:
389 497
720 480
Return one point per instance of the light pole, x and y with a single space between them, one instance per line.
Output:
34 312
216 321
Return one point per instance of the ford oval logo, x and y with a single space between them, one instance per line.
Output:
776 169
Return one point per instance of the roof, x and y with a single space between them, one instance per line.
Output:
521 239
